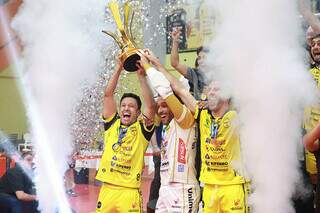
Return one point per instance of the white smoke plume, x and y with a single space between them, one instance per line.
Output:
62 47
257 55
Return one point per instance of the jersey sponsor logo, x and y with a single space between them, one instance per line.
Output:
214 149
99 204
127 148
215 156
181 151
207 156
133 130
236 205
217 169
114 164
190 200
176 206
180 168
124 153
121 160
226 123
214 142
208 163
166 163
138 176
118 171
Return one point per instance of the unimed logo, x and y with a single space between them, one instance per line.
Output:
190 200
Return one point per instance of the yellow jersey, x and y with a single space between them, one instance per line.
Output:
220 148
123 156
311 119
312 113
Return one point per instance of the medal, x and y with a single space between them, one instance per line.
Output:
214 130
122 132
116 147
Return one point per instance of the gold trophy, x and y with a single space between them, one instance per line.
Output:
129 56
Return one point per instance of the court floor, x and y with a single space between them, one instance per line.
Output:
87 195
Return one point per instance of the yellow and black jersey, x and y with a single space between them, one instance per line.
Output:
220 148
123 157
311 119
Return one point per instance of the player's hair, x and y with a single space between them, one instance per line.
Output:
134 96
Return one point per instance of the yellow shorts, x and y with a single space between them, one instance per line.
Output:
226 198
311 165
119 199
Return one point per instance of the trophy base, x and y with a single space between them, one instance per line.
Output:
130 63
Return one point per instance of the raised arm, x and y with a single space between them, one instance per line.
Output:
109 103
175 84
175 62
311 139
149 104
162 86
311 19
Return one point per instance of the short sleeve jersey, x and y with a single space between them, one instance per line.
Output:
196 82
220 148
123 157
312 113
14 180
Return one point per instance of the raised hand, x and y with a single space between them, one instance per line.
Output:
175 34
151 57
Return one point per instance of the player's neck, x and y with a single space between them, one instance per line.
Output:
221 110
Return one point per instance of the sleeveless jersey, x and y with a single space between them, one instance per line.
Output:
178 150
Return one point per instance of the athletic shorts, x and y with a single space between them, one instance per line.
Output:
178 197
311 165
118 199
225 198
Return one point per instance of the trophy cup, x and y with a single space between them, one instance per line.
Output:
128 56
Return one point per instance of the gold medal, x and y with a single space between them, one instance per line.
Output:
116 147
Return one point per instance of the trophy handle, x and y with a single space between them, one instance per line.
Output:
113 6
126 15
130 30
114 37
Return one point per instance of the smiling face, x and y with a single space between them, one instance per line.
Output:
164 112
129 111
214 96
315 49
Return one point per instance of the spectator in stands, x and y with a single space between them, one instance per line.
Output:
17 192
195 76
69 178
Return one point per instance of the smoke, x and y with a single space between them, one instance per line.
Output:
257 55
62 48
